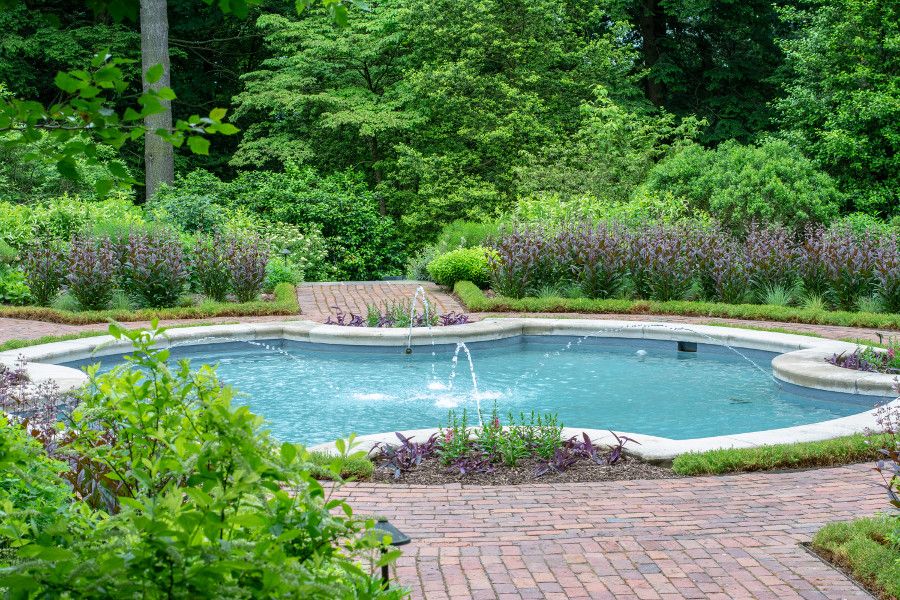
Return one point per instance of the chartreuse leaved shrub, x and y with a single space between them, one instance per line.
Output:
181 494
462 264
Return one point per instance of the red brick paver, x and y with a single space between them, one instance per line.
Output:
318 301
712 537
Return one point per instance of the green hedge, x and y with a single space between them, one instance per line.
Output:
285 303
825 453
475 300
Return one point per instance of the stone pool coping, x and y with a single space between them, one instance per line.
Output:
800 361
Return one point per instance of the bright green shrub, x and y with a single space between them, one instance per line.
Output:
191 213
462 264
13 287
201 501
280 271
16 224
771 182
458 234
8 254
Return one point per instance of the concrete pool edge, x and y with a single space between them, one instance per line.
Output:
800 361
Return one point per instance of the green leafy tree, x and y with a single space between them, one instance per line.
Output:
609 155
842 99
710 58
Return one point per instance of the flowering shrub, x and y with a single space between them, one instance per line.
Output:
770 255
515 266
850 264
246 259
45 271
91 271
661 262
154 268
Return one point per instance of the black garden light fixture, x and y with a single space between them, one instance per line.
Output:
285 252
398 538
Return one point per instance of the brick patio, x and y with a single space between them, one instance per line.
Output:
727 537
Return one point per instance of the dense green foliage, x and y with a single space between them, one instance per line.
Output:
841 102
369 136
178 493
461 264
771 182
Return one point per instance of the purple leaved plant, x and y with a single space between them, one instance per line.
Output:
91 271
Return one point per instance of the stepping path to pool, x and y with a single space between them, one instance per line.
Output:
318 301
733 537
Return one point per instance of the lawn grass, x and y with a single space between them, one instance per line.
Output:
475 300
358 467
285 303
863 547
825 453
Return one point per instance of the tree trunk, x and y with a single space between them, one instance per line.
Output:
652 20
159 155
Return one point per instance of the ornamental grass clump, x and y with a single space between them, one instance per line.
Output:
887 274
154 269
850 264
45 271
246 259
662 256
91 271
515 266
770 255
210 267
600 260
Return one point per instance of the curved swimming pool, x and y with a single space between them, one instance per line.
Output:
314 393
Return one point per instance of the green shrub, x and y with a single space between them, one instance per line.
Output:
462 264
191 213
360 243
280 271
183 495
770 182
13 287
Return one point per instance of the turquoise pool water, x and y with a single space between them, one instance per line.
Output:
314 393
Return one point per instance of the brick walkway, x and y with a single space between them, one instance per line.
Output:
318 300
734 537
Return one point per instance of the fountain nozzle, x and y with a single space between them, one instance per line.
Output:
408 350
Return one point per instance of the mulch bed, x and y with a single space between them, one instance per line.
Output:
434 472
